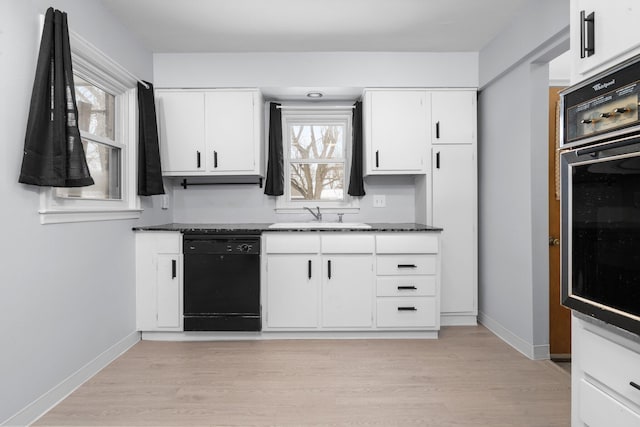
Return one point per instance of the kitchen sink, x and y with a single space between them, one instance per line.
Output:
319 225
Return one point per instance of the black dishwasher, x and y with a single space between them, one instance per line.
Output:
221 282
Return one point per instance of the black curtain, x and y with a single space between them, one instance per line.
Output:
53 153
149 169
356 182
275 167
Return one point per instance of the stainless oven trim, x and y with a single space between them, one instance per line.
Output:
566 292
603 136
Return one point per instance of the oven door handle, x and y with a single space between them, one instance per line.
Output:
599 148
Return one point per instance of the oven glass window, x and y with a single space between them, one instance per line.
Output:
605 233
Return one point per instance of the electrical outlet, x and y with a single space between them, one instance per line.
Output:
379 201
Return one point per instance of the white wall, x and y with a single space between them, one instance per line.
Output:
276 73
513 215
67 290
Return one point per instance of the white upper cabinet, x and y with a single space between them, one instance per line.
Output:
396 131
614 28
453 117
210 132
181 125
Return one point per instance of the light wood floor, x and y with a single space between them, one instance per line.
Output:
466 378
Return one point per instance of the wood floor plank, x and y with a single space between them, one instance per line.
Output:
468 377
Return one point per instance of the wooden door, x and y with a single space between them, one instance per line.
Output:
559 316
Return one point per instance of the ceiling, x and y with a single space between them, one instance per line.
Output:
315 25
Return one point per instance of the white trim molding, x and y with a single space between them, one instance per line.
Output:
51 398
533 352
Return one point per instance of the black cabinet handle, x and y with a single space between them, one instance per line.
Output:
587 34
329 269
407 309
404 288
407 266
438 160
215 159
198 158
309 268
377 158
634 385
174 267
437 130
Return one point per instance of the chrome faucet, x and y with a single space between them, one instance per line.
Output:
317 216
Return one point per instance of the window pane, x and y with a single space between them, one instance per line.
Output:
317 141
96 109
317 181
104 166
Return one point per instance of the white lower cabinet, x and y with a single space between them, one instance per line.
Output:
292 297
346 291
351 281
605 378
159 281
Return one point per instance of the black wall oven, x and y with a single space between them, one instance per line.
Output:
600 196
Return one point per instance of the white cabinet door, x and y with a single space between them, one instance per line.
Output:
292 290
181 128
616 34
396 131
231 132
455 210
453 117
168 291
347 291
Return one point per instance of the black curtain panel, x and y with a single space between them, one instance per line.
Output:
356 182
149 169
53 153
275 166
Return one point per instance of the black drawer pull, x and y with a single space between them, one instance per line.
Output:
309 267
437 130
174 266
403 288
407 309
215 159
198 158
377 158
329 269
407 266
438 160
634 385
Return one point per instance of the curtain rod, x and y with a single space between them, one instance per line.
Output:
320 107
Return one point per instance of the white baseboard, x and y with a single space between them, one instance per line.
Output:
534 352
48 400
458 320
286 335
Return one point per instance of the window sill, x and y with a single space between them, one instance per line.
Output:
63 216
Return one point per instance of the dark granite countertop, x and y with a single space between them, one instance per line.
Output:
262 227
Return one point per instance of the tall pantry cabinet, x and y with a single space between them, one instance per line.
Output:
439 126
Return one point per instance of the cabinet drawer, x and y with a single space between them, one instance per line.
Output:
348 243
162 242
402 243
293 243
598 409
406 286
406 264
611 364
406 312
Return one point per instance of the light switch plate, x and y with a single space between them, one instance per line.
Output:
379 201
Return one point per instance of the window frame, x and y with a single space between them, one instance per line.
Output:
95 67
308 115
